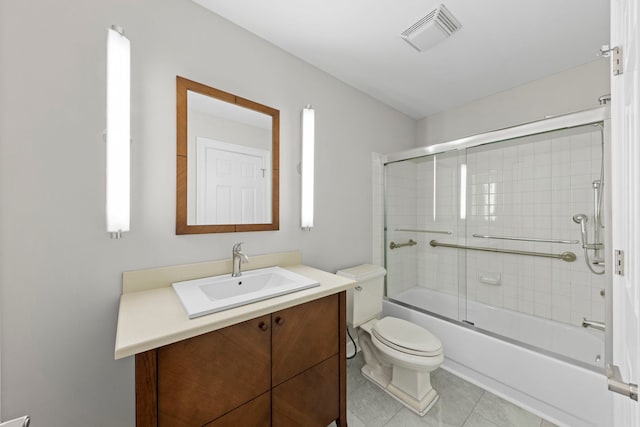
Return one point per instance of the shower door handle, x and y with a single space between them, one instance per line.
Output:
615 383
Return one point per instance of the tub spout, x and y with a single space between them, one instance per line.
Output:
586 323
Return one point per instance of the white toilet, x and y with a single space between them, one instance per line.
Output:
399 355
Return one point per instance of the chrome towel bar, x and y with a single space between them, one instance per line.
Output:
417 230
527 239
565 256
394 245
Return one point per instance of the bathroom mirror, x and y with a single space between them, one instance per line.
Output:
227 162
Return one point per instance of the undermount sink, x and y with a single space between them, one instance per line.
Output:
211 294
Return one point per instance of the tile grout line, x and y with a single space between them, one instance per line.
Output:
474 407
387 424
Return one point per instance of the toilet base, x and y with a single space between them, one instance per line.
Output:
420 407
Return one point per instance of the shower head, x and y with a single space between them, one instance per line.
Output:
579 218
582 220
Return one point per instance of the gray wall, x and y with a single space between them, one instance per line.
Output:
60 274
565 92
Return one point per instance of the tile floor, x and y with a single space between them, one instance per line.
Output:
461 404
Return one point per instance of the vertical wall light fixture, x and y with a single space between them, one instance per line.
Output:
118 136
463 191
308 142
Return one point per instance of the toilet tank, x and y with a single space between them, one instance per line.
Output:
364 302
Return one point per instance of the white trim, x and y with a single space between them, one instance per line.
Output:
625 203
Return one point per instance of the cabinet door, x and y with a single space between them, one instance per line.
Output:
256 413
202 378
303 336
310 399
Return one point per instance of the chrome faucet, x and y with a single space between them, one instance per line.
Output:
238 258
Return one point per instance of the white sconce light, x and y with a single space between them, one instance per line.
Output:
463 191
118 136
308 141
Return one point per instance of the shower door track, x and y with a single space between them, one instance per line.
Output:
565 121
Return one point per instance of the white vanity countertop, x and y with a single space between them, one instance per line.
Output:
152 318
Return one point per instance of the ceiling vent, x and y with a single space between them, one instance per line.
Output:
432 29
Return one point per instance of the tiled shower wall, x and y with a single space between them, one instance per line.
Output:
529 187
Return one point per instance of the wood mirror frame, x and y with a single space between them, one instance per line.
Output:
182 87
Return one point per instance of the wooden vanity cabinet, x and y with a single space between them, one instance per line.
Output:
303 336
287 368
203 378
304 365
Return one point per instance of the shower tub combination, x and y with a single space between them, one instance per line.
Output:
496 243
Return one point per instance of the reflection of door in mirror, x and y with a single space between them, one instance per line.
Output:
228 149
231 183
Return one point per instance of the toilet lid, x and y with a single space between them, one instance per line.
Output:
407 337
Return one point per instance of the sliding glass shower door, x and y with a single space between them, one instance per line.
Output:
493 236
423 205
523 196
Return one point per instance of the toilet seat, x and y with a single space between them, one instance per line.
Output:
406 337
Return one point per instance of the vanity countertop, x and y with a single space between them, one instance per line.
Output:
152 318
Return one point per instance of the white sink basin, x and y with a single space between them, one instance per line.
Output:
211 294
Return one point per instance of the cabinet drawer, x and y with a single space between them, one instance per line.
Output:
303 336
310 399
202 378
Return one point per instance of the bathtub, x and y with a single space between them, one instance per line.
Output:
563 383
573 344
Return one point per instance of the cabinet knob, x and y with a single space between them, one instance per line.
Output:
263 326
279 320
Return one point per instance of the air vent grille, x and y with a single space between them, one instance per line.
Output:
431 29
419 24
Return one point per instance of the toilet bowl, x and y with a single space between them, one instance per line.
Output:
399 355
400 367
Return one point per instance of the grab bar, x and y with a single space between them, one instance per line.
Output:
586 323
527 239
565 256
394 245
423 231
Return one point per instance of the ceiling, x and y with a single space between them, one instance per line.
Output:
502 43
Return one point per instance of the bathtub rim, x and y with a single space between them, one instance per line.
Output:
468 325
